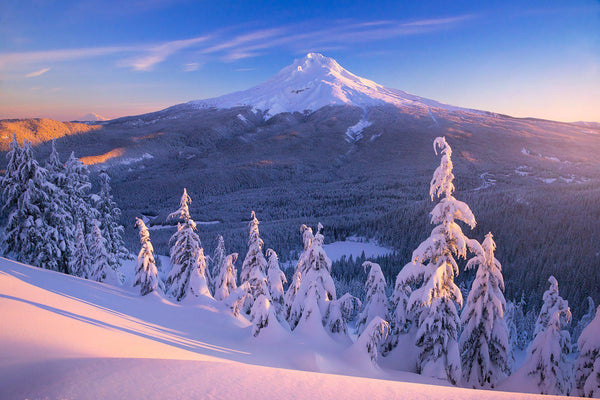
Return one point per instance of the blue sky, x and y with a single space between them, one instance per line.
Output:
63 59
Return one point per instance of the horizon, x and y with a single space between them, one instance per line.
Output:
63 61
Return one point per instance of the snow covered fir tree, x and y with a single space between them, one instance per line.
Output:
146 273
484 343
188 274
431 307
254 267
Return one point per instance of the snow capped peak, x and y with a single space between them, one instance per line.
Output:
312 82
92 117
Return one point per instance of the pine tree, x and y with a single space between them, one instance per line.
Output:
484 343
276 279
301 267
237 297
109 215
254 267
587 371
11 185
31 234
547 358
315 270
59 216
225 278
146 273
262 315
376 303
78 188
79 264
552 303
432 307
584 321
371 338
187 256
219 259
100 268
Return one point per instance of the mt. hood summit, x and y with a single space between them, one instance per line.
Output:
313 82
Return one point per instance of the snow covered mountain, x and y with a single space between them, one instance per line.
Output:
92 117
313 82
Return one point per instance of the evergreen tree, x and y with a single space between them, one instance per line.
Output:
276 280
301 267
433 305
146 273
31 232
371 338
79 264
587 372
11 185
314 270
109 215
219 259
237 297
187 256
254 267
78 188
484 343
547 358
100 268
552 303
59 216
262 315
376 303
584 321
225 278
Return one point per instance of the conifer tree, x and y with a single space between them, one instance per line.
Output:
372 337
59 216
484 343
314 270
188 274
587 372
432 306
109 215
254 267
100 268
225 279
376 303
31 232
262 315
219 259
301 267
547 357
146 273
276 280
78 188
585 320
11 185
79 264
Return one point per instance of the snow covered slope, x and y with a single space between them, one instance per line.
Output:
65 337
313 82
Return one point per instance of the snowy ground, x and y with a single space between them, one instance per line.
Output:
68 338
355 246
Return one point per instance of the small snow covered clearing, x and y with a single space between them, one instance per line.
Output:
66 337
354 246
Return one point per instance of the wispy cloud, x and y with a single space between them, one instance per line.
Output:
37 73
159 53
225 47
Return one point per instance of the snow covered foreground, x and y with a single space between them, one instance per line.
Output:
66 337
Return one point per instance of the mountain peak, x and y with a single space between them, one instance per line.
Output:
312 82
